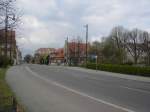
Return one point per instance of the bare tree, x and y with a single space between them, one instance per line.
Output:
118 37
134 44
146 46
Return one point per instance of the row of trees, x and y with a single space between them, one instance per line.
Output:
123 46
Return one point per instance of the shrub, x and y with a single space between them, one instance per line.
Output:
125 69
5 61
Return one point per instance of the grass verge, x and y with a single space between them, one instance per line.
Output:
5 91
7 97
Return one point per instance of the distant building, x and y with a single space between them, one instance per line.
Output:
11 43
55 55
44 51
75 53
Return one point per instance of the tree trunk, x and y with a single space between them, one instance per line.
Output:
135 59
148 59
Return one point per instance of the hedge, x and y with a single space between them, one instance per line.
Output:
5 61
125 69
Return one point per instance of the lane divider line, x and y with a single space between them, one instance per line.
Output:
137 90
77 92
133 89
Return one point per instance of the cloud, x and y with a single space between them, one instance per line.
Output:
47 23
38 7
37 33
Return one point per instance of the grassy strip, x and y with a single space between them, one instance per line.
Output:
5 91
6 95
124 69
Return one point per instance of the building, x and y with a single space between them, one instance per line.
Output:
75 52
57 56
11 43
54 55
44 51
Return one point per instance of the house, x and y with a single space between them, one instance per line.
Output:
11 43
44 51
75 52
59 57
51 54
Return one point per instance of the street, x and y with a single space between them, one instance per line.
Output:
44 88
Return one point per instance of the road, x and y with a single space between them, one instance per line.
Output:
62 89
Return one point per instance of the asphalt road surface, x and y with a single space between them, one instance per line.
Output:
62 89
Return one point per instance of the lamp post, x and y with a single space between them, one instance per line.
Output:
11 44
87 28
96 62
67 50
6 30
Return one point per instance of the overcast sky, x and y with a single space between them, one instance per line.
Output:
47 23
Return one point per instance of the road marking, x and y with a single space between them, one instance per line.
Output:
77 92
134 89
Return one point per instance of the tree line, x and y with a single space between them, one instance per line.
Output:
123 46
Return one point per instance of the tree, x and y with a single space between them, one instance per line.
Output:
96 49
134 44
146 46
110 51
28 58
124 46
9 15
117 36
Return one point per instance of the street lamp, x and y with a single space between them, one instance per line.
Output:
87 28
96 62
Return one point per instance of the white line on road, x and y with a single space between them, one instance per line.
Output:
77 92
137 90
133 89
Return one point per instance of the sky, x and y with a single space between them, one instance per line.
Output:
47 23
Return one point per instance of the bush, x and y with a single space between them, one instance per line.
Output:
5 61
125 69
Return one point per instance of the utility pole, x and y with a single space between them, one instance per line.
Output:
6 31
11 44
78 50
87 28
67 51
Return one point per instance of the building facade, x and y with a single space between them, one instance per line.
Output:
44 51
11 43
51 54
75 52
